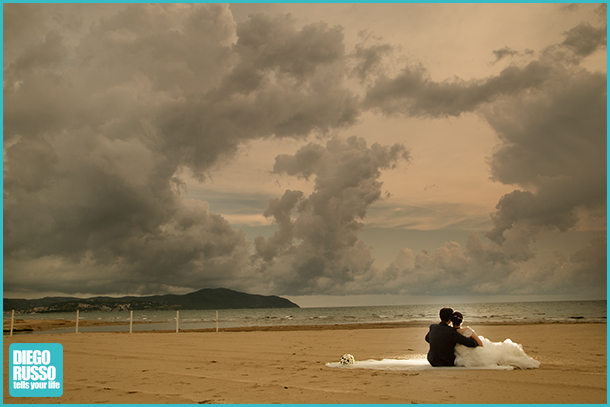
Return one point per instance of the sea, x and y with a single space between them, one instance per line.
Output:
476 313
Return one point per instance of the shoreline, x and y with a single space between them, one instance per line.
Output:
44 325
49 325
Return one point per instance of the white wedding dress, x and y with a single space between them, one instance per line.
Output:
507 353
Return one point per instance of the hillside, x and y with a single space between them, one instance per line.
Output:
207 298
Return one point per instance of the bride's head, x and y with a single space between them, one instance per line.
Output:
456 319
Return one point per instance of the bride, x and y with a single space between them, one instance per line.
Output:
489 353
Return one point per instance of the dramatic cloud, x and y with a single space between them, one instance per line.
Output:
368 56
553 145
490 269
413 93
111 110
95 135
550 118
504 52
551 142
319 250
585 39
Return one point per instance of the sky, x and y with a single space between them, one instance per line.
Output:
332 154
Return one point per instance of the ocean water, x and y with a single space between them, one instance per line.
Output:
523 312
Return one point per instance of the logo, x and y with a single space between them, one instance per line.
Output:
36 370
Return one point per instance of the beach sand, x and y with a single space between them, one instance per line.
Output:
288 366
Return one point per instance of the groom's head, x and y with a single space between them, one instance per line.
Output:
446 314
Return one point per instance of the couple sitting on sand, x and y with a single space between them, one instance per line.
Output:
452 345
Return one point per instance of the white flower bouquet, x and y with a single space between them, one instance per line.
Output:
347 359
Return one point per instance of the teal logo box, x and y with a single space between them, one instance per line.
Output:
36 369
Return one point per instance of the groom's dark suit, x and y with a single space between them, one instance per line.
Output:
442 339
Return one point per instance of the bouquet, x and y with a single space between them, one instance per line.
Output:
347 359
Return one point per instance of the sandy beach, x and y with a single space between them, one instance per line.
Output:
288 366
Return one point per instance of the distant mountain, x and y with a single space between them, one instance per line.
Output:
207 298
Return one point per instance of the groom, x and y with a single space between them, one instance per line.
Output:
442 339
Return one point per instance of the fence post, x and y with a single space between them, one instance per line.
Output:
177 320
216 321
12 321
76 321
130 321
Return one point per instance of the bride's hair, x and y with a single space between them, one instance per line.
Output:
457 319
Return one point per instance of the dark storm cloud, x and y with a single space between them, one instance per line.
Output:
550 118
283 82
368 56
100 117
414 94
553 146
298 53
585 39
319 250
281 210
490 269
553 143
22 25
504 52
95 134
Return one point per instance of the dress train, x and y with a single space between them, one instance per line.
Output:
507 353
